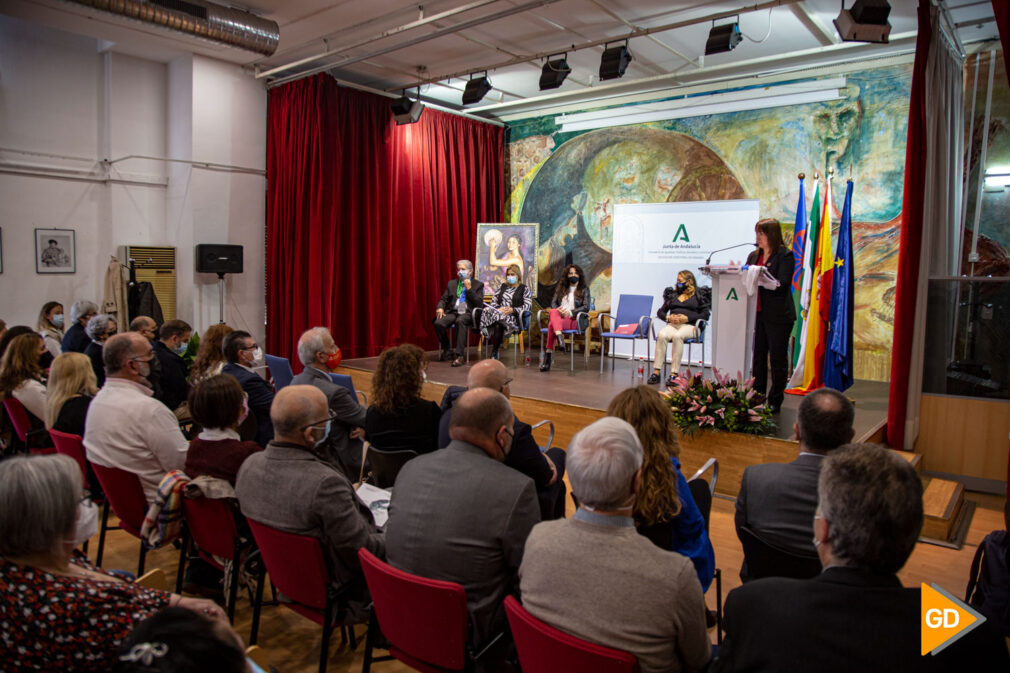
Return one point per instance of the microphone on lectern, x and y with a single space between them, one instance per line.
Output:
739 245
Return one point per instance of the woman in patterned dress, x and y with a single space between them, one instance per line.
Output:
58 612
505 311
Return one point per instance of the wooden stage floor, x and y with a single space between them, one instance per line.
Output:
592 390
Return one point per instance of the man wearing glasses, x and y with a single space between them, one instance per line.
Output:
242 352
126 427
292 487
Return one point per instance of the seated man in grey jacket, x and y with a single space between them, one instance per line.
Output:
316 351
292 488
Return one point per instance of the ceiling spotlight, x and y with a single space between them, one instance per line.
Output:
615 61
723 38
476 88
406 111
865 22
554 72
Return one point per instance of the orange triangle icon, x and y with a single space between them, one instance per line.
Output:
944 619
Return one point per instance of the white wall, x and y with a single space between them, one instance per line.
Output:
61 95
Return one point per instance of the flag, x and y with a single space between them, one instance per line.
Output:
799 239
838 360
809 246
814 324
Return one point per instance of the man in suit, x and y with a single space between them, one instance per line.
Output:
459 514
319 354
455 307
289 486
241 352
855 615
173 339
546 468
777 500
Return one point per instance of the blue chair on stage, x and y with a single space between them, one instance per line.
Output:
345 381
516 335
582 329
280 371
632 309
700 339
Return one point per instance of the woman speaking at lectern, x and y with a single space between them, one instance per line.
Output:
775 313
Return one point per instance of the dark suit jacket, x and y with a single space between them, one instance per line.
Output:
414 427
290 488
777 501
261 396
525 455
461 516
777 305
76 339
841 621
349 413
174 386
474 296
94 352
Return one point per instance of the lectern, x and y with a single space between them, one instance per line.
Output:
732 325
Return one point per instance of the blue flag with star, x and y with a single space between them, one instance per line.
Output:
838 358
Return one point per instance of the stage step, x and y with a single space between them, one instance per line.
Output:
943 507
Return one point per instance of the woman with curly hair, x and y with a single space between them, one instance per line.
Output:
398 417
571 297
664 510
209 359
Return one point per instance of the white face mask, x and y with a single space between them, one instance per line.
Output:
87 522
257 354
424 376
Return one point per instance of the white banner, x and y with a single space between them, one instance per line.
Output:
655 241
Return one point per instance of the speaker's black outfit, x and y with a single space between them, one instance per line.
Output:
772 325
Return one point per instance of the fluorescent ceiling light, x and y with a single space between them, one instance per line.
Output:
733 101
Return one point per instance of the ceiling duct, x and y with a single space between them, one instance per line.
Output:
198 18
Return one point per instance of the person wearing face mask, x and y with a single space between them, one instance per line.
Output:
81 312
683 306
125 426
318 352
50 326
399 418
292 487
173 340
77 614
461 514
571 297
455 307
594 577
219 406
22 379
504 314
99 329
242 353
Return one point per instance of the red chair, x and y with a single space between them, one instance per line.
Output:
544 649
211 525
125 496
298 570
425 621
23 426
73 446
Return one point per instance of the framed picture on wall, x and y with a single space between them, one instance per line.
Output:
55 251
501 245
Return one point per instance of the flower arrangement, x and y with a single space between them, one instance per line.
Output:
720 403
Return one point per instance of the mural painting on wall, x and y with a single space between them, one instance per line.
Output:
570 183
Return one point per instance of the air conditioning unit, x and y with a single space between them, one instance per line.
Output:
155 265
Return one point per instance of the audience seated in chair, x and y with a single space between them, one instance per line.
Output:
126 427
455 307
76 339
664 511
173 339
241 352
777 500
69 391
855 615
219 406
21 377
175 640
209 360
292 488
146 327
50 328
460 515
99 329
398 417
594 577
58 611
546 469
316 351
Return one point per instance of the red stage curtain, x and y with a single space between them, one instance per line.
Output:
366 219
911 239
1001 10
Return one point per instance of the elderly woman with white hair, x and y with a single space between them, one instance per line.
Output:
617 588
58 612
76 339
99 329
462 295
